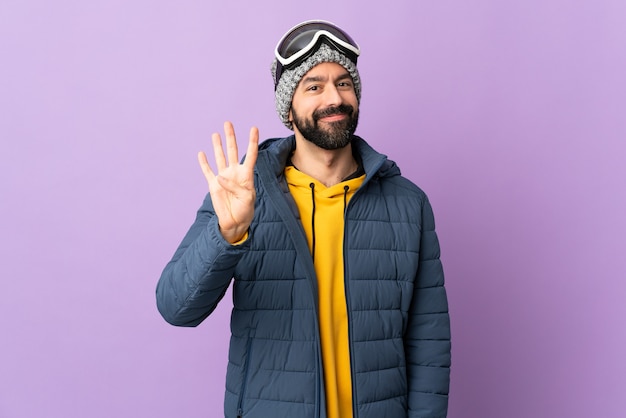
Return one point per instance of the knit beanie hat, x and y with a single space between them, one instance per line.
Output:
289 79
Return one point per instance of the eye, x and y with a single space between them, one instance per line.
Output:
344 84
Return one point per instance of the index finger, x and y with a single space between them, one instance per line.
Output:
253 149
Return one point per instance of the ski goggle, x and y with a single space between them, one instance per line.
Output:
302 41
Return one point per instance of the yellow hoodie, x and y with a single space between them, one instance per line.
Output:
322 214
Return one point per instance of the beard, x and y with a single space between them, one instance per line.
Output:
337 135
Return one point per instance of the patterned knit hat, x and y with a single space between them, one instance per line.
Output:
289 79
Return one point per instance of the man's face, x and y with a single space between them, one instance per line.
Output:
324 108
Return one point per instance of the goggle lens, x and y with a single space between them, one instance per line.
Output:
302 41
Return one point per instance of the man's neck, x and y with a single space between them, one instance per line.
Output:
327 166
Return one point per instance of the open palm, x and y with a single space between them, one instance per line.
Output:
232 188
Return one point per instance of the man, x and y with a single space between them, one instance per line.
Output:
339 302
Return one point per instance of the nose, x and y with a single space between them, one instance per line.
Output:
332 96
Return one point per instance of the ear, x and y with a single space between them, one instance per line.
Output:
290 116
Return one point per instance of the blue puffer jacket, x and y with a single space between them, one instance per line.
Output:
397 306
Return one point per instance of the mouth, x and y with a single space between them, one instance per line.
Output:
333 114
333 118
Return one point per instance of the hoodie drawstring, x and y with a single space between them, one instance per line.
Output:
346 188
312 186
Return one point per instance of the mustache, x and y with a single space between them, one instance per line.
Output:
343 109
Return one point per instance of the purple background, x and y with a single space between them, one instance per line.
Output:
511 115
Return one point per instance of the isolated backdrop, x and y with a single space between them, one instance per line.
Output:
509 114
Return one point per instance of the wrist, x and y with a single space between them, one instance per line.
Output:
235 236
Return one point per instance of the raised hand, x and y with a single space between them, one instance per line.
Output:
232 188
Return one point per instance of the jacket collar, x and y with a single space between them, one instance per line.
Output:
276 152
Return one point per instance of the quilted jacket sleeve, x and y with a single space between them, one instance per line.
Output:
199 274
427 340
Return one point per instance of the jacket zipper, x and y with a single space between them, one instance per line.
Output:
348 306
275 192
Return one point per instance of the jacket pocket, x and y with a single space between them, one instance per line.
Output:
246 369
